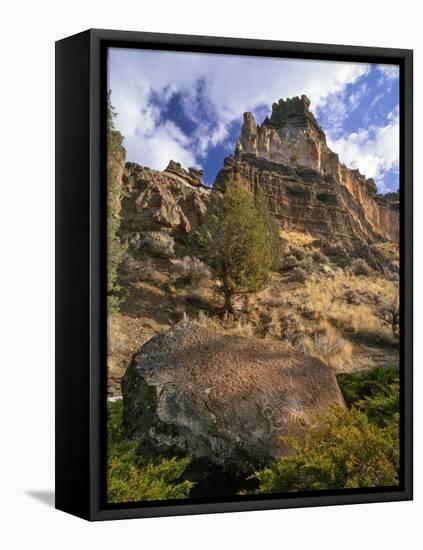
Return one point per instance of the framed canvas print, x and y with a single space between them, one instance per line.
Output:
234 274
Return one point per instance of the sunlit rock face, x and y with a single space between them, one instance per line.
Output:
223 400
172 201
292 138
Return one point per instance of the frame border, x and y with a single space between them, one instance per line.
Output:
87 498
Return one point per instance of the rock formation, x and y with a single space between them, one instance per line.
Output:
191 176
222 399
302 199
172 201
309 188
287 157
225 400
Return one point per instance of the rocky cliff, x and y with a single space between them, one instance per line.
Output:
309 188
172 201
288 159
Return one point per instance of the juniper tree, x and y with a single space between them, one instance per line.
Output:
239 241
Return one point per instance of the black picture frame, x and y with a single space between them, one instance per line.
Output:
81 271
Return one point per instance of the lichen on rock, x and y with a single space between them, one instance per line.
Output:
220 398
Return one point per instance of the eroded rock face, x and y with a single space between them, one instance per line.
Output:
302 199
191 176
222 400
292 137
172 201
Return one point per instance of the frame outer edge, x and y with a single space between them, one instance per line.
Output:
72 262
96 369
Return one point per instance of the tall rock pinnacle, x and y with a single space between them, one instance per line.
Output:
290 136
288 156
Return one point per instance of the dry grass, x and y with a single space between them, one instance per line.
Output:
273 297
270 325
319 257
318 314
125 335
299 275
190 271
360 267
328 299
328 345
133 270
297 238
227 325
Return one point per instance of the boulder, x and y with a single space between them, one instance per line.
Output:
220 399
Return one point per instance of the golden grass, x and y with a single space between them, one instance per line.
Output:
326 300
272 297
236 327
328 345
297 238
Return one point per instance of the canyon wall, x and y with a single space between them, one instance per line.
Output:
291 138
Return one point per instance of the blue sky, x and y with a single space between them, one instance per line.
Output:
188 107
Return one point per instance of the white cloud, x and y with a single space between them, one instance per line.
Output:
338 106
157 148
376 100
334 110
232 85
355 98
374 150
389 72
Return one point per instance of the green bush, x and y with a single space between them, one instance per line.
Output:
130 477
345 451
351 448
115 434
374 392
239 240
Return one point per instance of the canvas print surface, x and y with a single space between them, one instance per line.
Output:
253 276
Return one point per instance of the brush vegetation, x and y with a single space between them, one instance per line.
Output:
358 447
239 241
130 477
